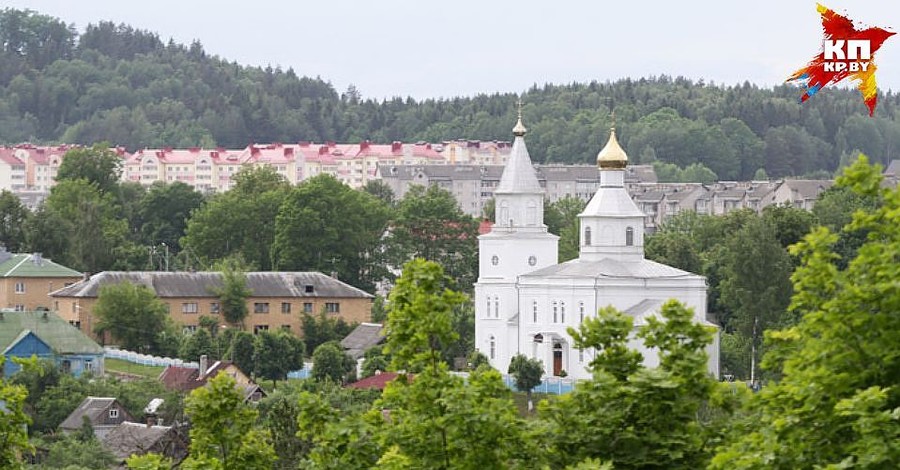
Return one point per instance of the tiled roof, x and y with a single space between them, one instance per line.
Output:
364 337
62 337
377 381
92 408
203 284
32 265
134 438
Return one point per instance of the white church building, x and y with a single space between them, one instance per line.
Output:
525 300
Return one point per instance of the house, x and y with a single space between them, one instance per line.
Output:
130 438
185 379
279 299
45 335
103 414
364 337
801 194
525 301
27 279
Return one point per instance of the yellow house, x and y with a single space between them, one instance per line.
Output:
26 280
278 299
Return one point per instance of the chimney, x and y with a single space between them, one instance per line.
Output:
364 145
204 365
151 419
323 150
334 274
254 150
288 151
37 259
396 145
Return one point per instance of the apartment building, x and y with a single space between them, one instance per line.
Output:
26 280
278 300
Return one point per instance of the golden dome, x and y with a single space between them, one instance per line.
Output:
612 157
519 130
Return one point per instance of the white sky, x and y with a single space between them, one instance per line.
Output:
429 49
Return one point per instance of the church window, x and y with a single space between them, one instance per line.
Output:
495 260
532 260
555 313
629 236
496 307
562 312
531 214
580 312
587 236
487 312
534 311
493 347
580 355
504 212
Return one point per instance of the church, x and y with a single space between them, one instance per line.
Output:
525 300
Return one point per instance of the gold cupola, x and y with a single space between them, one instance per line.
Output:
612 157
519 130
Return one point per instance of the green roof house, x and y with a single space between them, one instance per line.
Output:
47 336
27 278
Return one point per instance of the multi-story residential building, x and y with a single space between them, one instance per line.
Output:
475 152
473 185
26 280
278 299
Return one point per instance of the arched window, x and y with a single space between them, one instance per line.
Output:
504 212
496 306
555 313
562 312
629 236
587 236
534 312
580 312
487 313
493 347
580 355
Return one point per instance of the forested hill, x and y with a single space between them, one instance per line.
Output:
129 87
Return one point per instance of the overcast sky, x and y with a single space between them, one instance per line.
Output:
427 49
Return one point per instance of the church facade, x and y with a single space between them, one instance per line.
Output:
525 300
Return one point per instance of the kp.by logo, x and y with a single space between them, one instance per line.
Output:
852 55
847 52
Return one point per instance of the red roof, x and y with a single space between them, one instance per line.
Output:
180 378
377 381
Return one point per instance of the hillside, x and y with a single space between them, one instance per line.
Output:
127 86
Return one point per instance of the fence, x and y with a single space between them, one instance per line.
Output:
549 385
145 359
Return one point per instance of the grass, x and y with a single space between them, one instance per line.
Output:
130 368
522 403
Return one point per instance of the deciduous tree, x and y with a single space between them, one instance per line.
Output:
132 315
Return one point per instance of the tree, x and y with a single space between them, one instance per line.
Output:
149 461
13 424
331 363
99 165
276 354
196 344
430 225
239 223
562 219
223 432
233 293
164 212
242 350
13 220
437 419
72 452
381 190
527 372
633 416
132 315
838 366
318 330
324 225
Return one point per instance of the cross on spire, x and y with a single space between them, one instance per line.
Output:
519 130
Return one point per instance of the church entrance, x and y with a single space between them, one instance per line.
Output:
557 359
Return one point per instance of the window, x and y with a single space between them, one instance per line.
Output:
88 365
580 312
308 288
20 308
580 355
286 327
258 328
629 236
75 323
189 307
189 329
534 311
20 288
260 307
555 313
487 313
285 307
587 236
214 308
493 347
332 307
307 307
562 312
496 306
113 413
